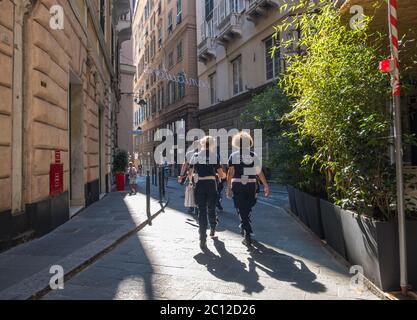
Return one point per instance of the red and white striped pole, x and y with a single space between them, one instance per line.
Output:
396 94
393 22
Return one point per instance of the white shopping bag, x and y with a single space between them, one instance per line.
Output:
189 201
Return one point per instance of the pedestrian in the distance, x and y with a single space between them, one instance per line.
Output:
133 174
203 168
183 177
241 186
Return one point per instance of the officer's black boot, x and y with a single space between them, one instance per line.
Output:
247 241
212 231
203 244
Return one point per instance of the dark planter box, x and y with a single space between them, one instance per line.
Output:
301 206
332 226
307 208
312 211
291 198
374 246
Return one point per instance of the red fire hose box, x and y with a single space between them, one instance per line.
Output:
120 181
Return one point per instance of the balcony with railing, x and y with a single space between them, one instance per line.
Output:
259 8
229 20
206 49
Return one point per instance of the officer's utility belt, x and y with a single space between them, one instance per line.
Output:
198 178
244 180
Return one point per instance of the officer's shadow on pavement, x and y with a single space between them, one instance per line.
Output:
227 267
284 268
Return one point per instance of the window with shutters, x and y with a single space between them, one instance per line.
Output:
235 6
146 53
179 11
170 26
162 97
159 37
212 83
146 11
171 92
103 15
166 100
181 85
170 59
272 63
154 106
179 52
237 75
153 46
209 6
174 91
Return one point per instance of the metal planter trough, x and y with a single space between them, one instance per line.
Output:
332 226
291 198
308 210
302 207
373 245
312 211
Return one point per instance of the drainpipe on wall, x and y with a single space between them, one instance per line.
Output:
20 10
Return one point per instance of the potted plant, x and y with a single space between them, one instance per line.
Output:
119 168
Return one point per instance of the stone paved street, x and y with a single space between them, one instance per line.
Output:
24 270
163 261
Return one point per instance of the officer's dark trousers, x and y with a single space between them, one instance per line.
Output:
244 199
206 196
219 193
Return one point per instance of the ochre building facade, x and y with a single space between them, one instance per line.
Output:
58 102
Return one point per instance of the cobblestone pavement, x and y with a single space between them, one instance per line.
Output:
25 269
163 261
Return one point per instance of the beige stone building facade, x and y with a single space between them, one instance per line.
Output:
59 93
165 55
234 39
234 42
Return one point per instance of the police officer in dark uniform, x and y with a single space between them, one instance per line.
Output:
203 168
244 168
